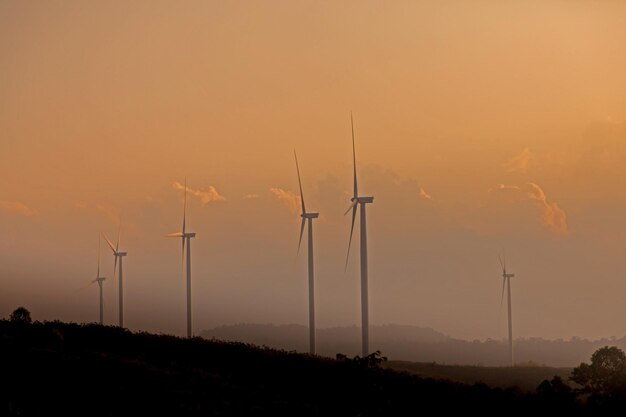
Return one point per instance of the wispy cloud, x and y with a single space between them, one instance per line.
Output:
17 207
505 187
520 162
205 196
554 217
424 194
289 199
250 196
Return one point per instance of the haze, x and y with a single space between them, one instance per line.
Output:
480 127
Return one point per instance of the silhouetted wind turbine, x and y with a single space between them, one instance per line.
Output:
118 255
506 281
308 216
184 235
99 280
360 201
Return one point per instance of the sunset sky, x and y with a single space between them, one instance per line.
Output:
480 127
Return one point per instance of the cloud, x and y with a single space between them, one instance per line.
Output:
520 162
554 218
424 194
17 207
504 187
289 199
250 196
205 196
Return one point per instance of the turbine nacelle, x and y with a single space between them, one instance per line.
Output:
310 215
364 200
505 275
121 253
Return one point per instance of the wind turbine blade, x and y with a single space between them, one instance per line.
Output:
300 184
351 231
356 192
185 208
502 296
119 230
301 233
99 240
115 266
109 243
175 234
85 286
182 261
354 203
501 263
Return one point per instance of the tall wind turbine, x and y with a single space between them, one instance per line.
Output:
99 280
506 282
308 216
184 235
118 255
361 201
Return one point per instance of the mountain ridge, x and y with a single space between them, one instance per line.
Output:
416 344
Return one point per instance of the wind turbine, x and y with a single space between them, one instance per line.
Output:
118 255
184 235
99 280
308 216
361 201
506 282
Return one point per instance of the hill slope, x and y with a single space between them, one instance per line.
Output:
55 368
526 378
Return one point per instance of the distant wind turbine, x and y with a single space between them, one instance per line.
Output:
308 216
184 235
99 280
506 282
360 201
118 255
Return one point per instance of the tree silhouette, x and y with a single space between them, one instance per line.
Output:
373 360
556 396
21 315
605 375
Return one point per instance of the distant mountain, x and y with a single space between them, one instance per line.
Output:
329 341
419 344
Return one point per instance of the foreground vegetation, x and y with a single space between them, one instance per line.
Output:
56 368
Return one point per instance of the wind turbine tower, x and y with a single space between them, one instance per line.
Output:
360 201
118 256
308 218
186 238
506 282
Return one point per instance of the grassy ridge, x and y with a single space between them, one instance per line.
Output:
56 368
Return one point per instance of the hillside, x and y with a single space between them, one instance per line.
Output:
329 341
56 368
526 378
418 344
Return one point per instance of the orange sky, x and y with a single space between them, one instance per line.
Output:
480 125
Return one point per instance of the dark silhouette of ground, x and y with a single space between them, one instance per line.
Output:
56 368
